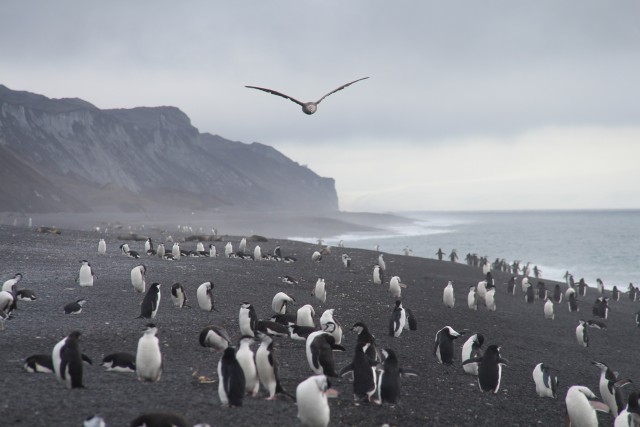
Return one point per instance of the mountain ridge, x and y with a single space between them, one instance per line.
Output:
69 155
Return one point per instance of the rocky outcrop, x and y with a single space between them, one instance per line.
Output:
67 155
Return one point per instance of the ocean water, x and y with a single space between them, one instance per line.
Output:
601 244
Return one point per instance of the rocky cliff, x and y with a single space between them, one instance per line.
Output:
59 155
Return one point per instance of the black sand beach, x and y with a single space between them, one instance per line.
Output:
441 395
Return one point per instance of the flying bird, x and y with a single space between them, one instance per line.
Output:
307 107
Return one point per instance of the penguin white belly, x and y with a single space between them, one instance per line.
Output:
102 247
85 277
471 301
56 359
245 359
313 407
448 298
203 298
222 394
137 280
608 398
548 310
469 368
148 360
266 374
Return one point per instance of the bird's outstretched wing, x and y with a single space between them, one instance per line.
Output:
340 88
273 92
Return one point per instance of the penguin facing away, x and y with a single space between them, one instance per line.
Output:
546 384
67 361
151 302
312 400
389 379
489 369
148 355
231 381
363 370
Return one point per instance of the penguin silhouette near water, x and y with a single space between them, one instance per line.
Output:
489 369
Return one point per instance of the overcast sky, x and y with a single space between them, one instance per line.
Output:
469 105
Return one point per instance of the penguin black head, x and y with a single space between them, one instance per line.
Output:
398 303
388 354
75 335
150 326
359 327
479 339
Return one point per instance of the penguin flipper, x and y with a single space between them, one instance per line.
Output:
347 370
599 406
503 361
337 347
406 372
86 359
474 360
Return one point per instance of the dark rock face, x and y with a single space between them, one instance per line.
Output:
60 155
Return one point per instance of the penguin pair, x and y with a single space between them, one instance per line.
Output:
489 369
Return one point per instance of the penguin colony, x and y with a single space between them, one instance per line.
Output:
357 353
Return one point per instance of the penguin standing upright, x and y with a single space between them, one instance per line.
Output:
581 333
557 294
247 319
102 247
398 320
378 275
228 250
178 295
615 294
511 285
138 278
304 316
175 251
548 309
320 291
443 348
447 295
609 386
630 416
231 381
148 356
389 379
395 287
161 252
246 359
212 251
267 367
490 299
546 384
581 411
364 336
529 295
600 286
572 301
86 275
481 288
472 350
346 260
312 401
319 348
364 373
257 253
489 369
472 298
280 302
151 302
67 361
242 246
381 263
205 296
